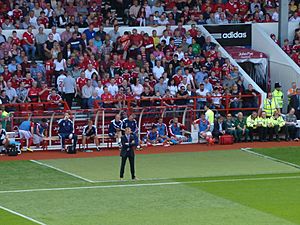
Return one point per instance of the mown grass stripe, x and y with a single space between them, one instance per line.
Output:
150 184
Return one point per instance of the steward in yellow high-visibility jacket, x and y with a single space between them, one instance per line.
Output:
262 126
276 122
251 123
278 95
270 105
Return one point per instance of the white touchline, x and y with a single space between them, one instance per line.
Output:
21 215
149 184
270 158
62 171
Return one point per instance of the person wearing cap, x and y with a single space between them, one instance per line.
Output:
278 95
270 105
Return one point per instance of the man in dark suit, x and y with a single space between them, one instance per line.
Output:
219 127
127 151
295 103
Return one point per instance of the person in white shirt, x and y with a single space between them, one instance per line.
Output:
158 70
275 16
11 92
295 17
113 87
165 37
99 89
60 82
203 93
56 36
89 71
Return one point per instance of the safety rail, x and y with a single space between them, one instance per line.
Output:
226 106
145 117
35 106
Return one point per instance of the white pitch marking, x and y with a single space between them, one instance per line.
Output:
270 158
149 184
62 171
21 215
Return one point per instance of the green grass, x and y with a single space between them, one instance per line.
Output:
290 154
218 197
174 165
6 218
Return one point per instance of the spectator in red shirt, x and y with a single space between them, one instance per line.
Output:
107 98
28 80
29 42
33 93
44 92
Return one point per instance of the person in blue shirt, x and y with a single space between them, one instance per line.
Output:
177 131
163 133
115 128
131 122
204 127
90 33
152 136
26 132
66 131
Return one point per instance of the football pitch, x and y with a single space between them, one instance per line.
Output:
233 187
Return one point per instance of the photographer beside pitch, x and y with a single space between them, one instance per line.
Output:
127 151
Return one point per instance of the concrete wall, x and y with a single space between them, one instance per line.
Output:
282 68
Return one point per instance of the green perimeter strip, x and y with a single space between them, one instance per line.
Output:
169 166
7 218
157 205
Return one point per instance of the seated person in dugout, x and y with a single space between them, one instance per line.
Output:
90 132
39 131
230 126
252 125
241 128
219 128
276 122
66 131
204 128
163 133
290 126
3 137
115 128
262 126
177 131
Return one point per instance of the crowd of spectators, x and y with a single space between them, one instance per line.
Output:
93 65
113 67
293 49
80 13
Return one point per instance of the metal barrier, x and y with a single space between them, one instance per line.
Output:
145 116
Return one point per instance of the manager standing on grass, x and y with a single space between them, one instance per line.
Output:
127 151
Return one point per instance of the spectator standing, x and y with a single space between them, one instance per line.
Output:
70 89
87 92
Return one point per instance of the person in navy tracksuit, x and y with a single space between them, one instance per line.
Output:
66 131
131 122
115 128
